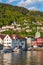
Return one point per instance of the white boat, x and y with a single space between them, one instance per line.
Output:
16 50
30 48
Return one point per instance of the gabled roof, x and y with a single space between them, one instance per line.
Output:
20 37
12 36
2 36
39 38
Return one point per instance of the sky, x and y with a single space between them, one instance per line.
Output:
29 4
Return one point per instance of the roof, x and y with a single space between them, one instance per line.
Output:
20 37
12 36
39 37
2 36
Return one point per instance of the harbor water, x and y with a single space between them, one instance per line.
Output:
23 58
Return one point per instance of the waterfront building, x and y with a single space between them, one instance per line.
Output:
34 43
21 42
12 41
7 41
28 40
1 38
31 42
40 41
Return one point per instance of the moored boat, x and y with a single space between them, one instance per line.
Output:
16 50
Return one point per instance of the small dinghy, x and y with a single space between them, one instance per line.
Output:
16 50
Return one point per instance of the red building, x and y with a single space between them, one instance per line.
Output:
39 41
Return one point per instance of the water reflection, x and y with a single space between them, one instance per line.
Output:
24 58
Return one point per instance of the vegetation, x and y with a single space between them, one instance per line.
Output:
9 14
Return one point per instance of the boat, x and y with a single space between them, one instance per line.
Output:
16 50
30 48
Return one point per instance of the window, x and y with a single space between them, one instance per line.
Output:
20 40
9 43
22 43
16 39
7 36
7 40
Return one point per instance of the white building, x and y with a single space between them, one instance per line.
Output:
37 35
8 27
28 40
1 38
1 41
7 41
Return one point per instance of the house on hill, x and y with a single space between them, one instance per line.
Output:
37 35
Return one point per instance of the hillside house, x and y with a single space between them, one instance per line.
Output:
34 22
39 23
18 28
27 27
37 34
8 27
28 30
41 27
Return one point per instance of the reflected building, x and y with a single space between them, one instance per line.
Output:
7 59
18 59
24 58
1 59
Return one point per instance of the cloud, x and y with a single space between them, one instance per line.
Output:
24 3
27 2
0 0
9 1
32 8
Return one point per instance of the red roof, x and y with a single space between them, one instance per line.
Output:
18 36
12 36
2 36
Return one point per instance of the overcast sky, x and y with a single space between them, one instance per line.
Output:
29 4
